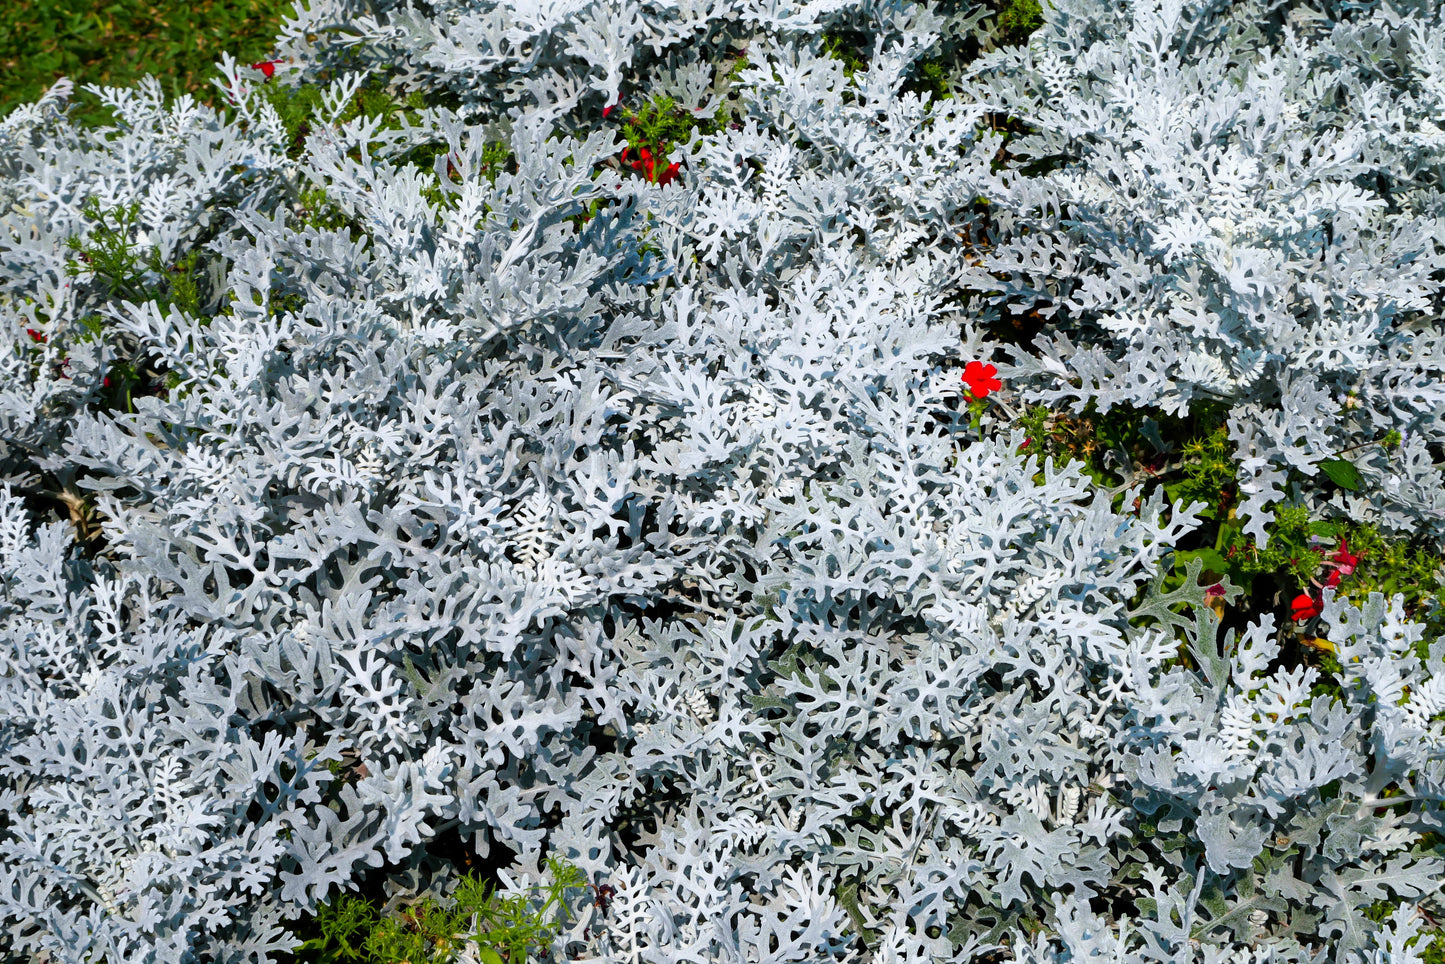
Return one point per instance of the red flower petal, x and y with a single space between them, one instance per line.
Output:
267 67
1346 560
35 335
1304 607
980 379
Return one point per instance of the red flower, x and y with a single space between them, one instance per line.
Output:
1333 579
1344 559
643 163
669 175
607 111
1214 591
35 335
267 67
980 379
1305 607
105 381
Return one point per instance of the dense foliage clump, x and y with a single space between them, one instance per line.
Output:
746 482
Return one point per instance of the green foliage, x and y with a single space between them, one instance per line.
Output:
1017 19
1106 443
297 107
316 209
662 123
738 66
112 264
110 256
853 47
497 157
1193 460
116 44
931 76
506 927
1343 473
1300 549
112 260
846 894
1012 24
1207 474
1303 553
653 130
1390 566
579 220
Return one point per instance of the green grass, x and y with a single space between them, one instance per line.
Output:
119 42
508 929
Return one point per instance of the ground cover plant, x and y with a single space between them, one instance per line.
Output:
841 481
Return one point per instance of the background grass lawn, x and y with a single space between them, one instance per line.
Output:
117 43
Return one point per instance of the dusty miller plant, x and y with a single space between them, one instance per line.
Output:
656 538
1243 209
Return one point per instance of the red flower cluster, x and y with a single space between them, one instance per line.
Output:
1342 563
980 379
648 164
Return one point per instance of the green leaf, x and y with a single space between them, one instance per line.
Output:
1342 473
1213 559
488 956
